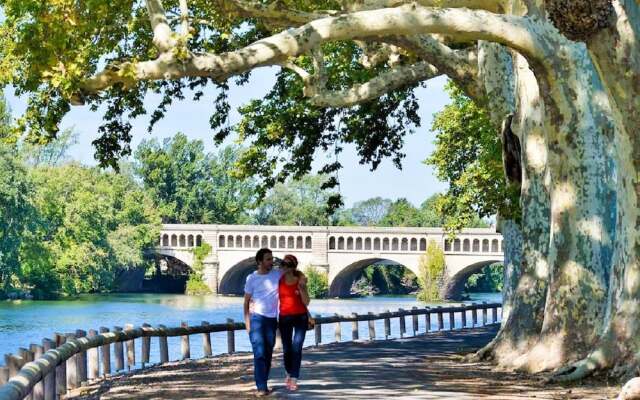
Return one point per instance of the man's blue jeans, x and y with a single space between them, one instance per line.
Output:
262 335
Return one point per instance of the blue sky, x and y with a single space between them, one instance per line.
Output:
415 181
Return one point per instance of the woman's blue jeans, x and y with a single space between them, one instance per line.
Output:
262 334
293 329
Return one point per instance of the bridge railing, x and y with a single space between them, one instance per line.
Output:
73 359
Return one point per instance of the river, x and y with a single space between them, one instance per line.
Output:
26 321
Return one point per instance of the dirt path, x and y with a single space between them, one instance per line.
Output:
425 367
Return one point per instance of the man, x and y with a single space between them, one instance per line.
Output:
261 295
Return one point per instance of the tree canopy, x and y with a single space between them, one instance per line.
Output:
192 186
17 214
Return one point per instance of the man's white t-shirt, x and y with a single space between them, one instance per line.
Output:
263 289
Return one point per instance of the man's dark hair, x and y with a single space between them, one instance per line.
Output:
260 254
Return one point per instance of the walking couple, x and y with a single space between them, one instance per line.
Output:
276 298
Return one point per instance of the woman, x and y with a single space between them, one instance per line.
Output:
294 318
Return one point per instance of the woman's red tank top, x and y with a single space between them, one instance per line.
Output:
290 299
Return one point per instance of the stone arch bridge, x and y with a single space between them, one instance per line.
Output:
340 251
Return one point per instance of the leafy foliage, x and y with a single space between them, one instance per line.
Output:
317 282
17 215
384 279
284 130
432 267
195 283
91 225
468 157
71 229
370 212
296 202
490 279
430 214
51 154
191 186
402 213
49 47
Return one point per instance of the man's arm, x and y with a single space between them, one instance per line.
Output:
247 320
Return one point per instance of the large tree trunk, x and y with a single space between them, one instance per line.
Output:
616 54
569 219
583 220
522 325
569 203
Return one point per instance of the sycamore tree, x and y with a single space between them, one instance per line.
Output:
558 79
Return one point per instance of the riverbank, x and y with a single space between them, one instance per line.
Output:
424 367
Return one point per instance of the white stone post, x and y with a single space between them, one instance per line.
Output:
319 250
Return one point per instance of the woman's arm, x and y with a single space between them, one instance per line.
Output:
302 286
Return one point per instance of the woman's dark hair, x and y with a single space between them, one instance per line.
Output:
261 253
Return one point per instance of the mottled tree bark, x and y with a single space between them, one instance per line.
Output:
615 51
512 235
582 210
522 325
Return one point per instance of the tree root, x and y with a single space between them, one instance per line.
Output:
580 369
484 354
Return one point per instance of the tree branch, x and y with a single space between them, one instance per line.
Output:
459 65
520 33
302 73
184 17
274 12
162 33
376 87
277 13
487 5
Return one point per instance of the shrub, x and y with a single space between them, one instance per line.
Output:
317 282
432 267
195 283
196 286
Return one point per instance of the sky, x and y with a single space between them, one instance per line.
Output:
415 182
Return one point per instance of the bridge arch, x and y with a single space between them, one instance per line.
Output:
173 268
233 280
340 285
454 285
185 257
